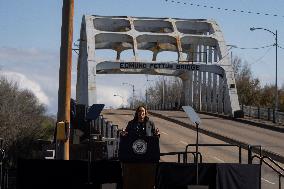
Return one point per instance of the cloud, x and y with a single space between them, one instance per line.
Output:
25 83
105 95
10 54
38 70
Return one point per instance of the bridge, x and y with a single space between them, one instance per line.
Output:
203 65
202 61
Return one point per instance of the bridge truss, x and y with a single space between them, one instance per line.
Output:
202 60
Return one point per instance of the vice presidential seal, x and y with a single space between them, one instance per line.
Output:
139 146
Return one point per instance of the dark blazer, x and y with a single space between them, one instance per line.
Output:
135 128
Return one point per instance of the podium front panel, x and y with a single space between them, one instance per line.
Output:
139 149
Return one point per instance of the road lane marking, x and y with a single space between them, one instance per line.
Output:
267 181
218 159
164 133
183 142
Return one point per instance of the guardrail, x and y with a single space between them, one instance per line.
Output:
217 145
183 154
268 114
280 174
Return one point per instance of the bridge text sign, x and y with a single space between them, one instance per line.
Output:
134 65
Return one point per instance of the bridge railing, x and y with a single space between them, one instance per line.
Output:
268 114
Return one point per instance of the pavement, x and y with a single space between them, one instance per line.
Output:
243 132
253 121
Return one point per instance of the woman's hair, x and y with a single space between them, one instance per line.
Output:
136 113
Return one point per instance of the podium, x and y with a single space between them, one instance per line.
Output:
139 157
139 149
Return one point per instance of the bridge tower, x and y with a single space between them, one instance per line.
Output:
202 61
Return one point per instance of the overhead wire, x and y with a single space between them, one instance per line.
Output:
257 60
254 48
249 48
224 9
280 47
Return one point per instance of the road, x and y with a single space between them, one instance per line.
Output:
175 137
268 139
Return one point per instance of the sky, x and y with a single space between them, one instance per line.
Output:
30 33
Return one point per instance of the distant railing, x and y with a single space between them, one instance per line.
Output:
268 114
167 106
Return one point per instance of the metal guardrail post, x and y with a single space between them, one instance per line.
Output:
102 126
1 174
185 158
249 154
258 113
274 115
240 154
279 181
249 111
268 114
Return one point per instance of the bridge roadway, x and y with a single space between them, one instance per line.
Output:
175 137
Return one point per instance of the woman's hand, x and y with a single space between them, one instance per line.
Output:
123 133
157 132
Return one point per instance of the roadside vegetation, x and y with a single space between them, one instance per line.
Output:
23 120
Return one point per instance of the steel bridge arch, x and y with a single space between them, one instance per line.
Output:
199 43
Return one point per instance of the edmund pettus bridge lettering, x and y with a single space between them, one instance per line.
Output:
133 65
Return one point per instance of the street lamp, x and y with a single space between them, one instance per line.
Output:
121 99
133 90
276 45
147 80
230 48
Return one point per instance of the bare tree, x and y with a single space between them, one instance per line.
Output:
22 119
172 91
248 87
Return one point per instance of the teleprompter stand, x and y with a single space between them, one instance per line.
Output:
192 115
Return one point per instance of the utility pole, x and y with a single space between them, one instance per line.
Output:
147 91
276 86
276 58
64 91
133 90
163 91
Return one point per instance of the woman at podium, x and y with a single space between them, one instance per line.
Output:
141 125
139 151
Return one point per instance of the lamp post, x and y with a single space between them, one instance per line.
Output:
121 99
133 90
230 48
276 46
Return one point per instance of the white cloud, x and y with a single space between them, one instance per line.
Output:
25 83
38 70
105 95
26 55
